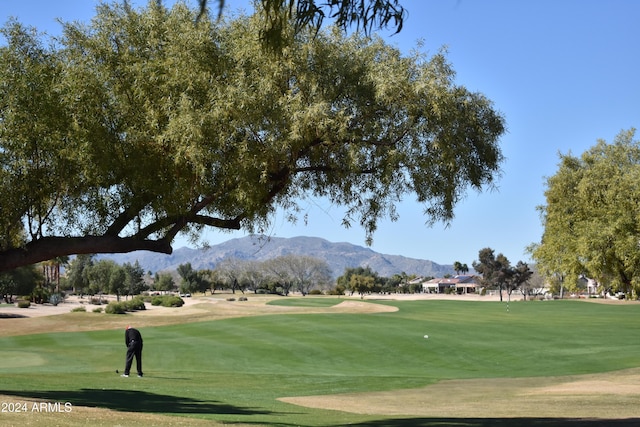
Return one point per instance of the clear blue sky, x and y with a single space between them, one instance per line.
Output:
563 72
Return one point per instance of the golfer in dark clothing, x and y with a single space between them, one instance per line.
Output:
133 341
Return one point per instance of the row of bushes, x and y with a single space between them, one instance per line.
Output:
121 307
137 303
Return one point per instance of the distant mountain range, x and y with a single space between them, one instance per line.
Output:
338 255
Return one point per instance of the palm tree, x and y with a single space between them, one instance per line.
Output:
51 270
457 267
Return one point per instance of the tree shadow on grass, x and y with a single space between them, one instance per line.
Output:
136 401
500 422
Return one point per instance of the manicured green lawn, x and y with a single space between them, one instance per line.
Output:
233 370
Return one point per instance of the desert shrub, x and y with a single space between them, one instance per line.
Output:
315 292
167 301
231 299
24 304
81 309
115 308
243 299
56 299
40 295
97 310
134 304
171 301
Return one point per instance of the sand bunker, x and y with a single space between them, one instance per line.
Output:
607 395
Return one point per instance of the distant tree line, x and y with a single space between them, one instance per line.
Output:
85 275
280 275
363 280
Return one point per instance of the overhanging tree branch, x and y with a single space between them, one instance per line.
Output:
150 136
47 248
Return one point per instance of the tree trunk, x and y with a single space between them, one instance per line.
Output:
48 248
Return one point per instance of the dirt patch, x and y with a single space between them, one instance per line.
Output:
625 382
608 395
362 307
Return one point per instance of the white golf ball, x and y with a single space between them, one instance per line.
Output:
426 336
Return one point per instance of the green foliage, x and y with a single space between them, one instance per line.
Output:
174 302
192 280
121 307
360 280
77 272
24 304
167 301
337 290
105 276
140 125
460 268
40 295
21 281
83 309
163 282
96 310
134 304
115 307
134 279
590 217
497 272
361 284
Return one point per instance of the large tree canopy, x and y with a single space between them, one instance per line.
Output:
591 218
142 125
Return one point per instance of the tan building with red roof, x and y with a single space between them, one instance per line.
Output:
461 284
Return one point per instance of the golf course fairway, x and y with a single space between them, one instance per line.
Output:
329 361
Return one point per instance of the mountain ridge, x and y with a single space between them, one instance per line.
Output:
339 255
